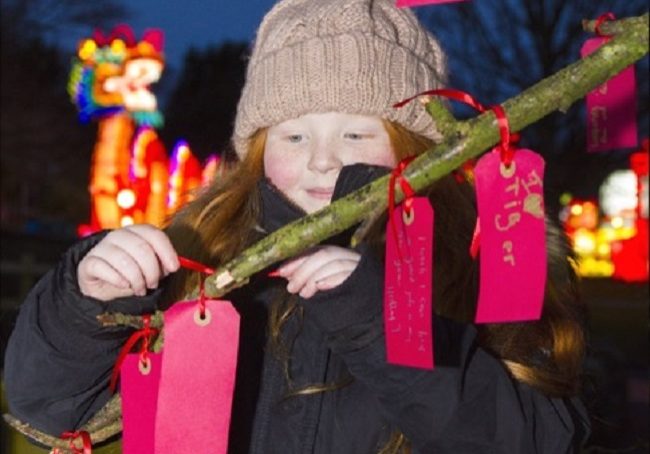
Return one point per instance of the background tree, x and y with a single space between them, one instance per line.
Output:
498 48
202 107
38 19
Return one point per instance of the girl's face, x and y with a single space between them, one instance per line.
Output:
303 156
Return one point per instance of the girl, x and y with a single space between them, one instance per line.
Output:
314 122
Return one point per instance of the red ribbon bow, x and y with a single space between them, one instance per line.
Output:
599 21
196 266
145 334
396 176
72 436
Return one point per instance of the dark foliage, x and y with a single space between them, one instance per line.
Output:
202 107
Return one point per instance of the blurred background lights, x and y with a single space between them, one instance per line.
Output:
126 199
126 220
618 193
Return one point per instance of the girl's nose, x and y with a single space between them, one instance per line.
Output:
323 158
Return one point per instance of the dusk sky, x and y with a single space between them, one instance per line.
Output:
188 23
197 23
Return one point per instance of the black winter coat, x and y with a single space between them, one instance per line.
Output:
59 361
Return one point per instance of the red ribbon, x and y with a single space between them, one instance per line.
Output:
458 95
396 176
507 151
466 173
507 139
599 21
145 334
476 240
196 266
72 436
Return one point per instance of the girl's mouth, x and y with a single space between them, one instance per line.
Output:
321 193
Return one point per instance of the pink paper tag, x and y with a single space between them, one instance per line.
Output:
611 108
197 379
410 3
139 392
407 289
513 240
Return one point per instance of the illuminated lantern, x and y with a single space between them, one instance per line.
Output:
210 169
630 255
580 214
184 177
639 164
149 176
109 82
590 242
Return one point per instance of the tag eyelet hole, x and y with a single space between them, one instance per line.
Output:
408 216
144 366
202 319
507 171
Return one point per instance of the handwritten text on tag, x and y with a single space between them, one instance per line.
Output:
611 108
513 241
407 288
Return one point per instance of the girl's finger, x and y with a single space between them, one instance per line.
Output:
147 261
288 268
161 245
121 260
328 277
316 261
333 280
142 251
98 269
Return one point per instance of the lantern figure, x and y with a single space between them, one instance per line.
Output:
109 82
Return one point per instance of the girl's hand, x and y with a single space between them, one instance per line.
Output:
127 262
323 269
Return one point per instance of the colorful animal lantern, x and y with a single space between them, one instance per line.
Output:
132 180
113 74
110 82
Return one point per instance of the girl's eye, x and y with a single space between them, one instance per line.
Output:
353 135
295 138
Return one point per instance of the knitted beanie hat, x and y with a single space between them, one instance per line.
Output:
348 56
